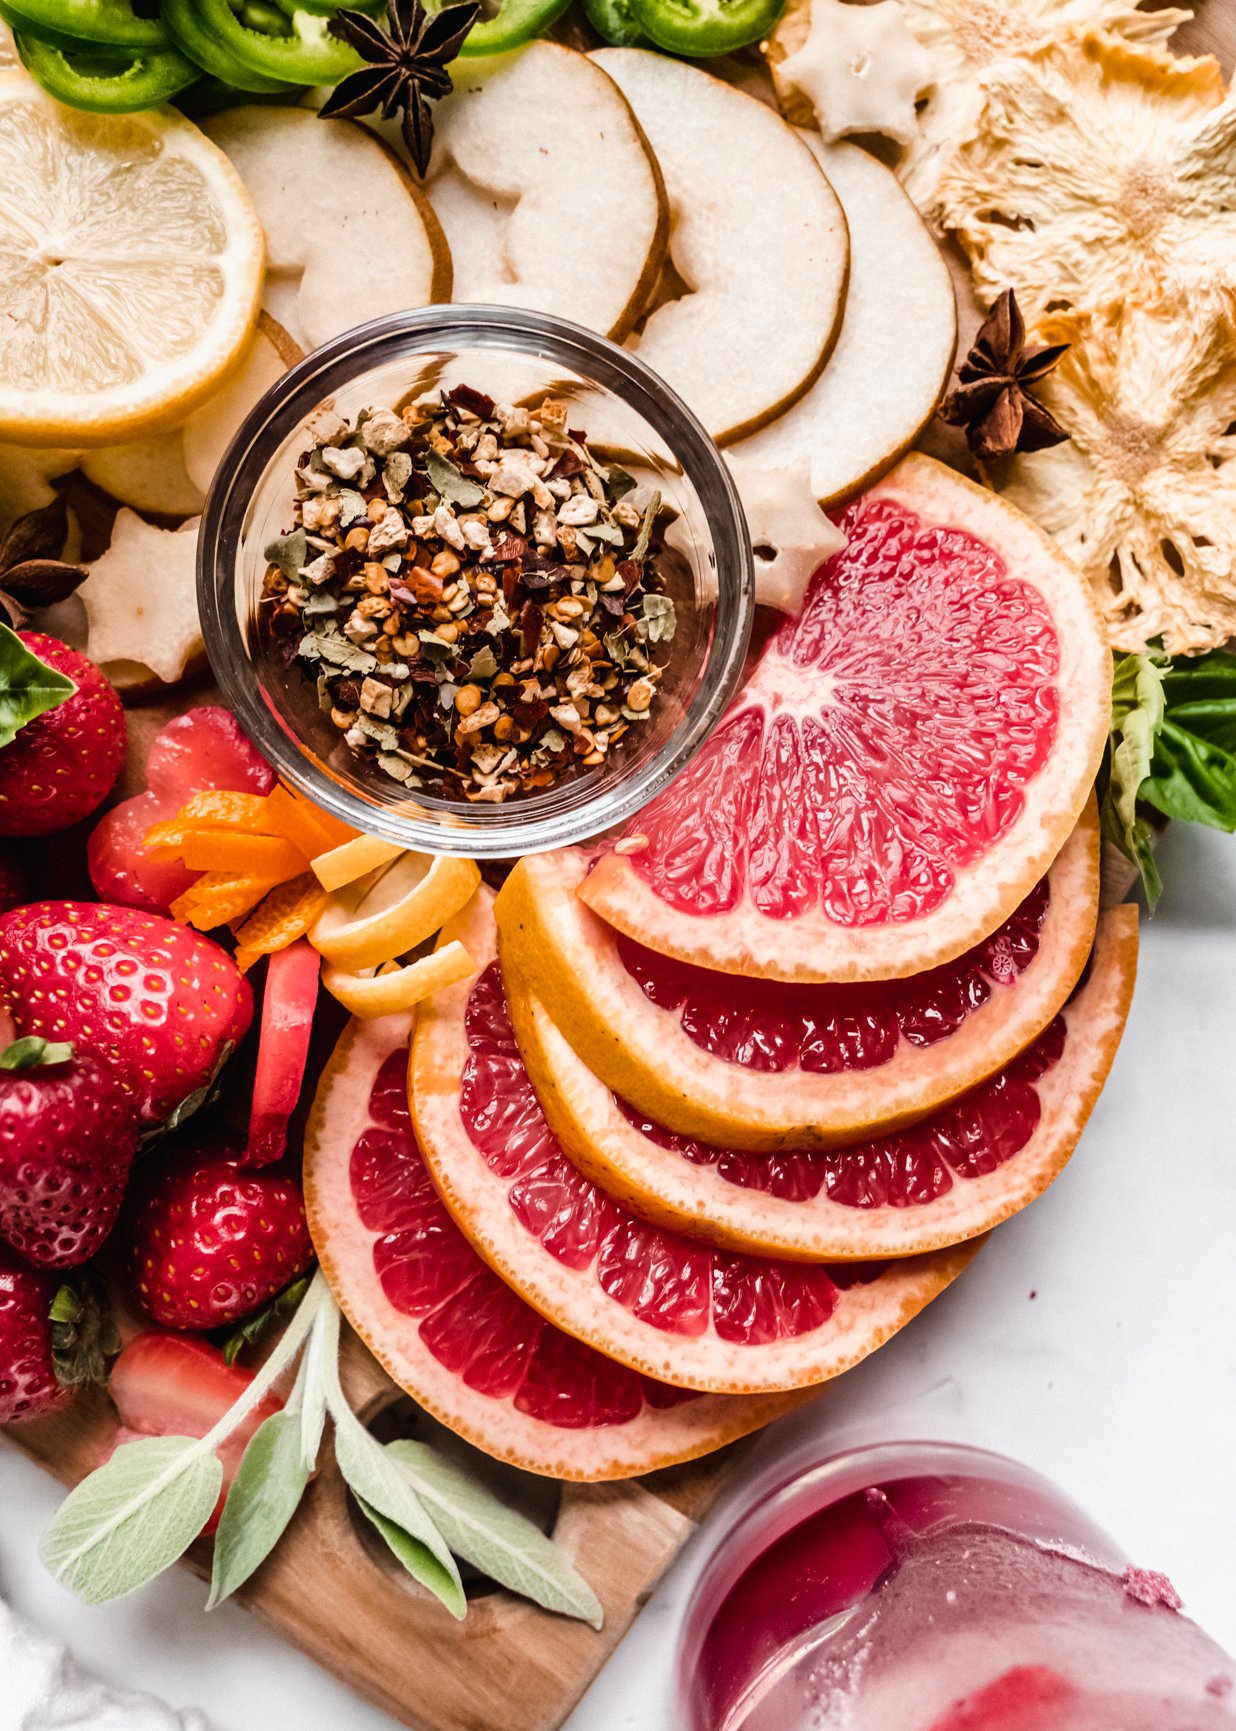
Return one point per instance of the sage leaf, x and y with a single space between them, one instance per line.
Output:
493 1537
379 1484
28 686
449 484
264 1496
133 1517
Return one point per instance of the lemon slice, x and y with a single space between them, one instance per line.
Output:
133 264
392 910
393 989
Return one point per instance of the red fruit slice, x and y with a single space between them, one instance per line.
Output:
288 1001
667 1305
169 1385
446 1327
761 1064
200 750
905 763
950 1176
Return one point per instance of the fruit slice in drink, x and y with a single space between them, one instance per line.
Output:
445 1326
761 1064
958 1172
668 1306
906 761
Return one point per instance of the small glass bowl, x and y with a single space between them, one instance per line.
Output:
512 356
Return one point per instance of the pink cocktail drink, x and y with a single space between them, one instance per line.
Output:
927 1587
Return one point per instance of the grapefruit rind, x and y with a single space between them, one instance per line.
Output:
664 1187
657 1437
556 950
864 1315
812 947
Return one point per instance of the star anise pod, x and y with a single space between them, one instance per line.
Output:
407 66
991 400
32 573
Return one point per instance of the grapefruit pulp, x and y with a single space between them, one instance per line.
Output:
952 1175
761 1064
904 764
667 1305
444 1325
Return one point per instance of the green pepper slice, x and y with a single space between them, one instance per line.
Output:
328 8
196 43
105 86
514 23
614 22
68 44
694 28
110 22
308 54
211 96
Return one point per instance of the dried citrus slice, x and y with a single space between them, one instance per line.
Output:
393 909
954 1174
279 919
906 761
132 260
761 1064
392 990
443 1324
669 1306
222 850
218 898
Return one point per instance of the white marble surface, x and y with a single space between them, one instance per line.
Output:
1118 1379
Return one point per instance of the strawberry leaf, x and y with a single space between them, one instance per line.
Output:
28 687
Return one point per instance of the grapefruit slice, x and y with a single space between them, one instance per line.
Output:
760 1064
443 1324
951 1176
904 764
669 1306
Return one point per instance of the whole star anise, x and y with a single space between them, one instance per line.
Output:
991 400
407 66
32 573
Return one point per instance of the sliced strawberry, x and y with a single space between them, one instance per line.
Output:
173 1385
287 1022
202 750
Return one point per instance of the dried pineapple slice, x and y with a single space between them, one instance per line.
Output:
972 40
1143 498
1098 170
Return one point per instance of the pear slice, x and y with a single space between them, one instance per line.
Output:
349 235
147 474
546 188
26 476
141 605
895 351
210 430
758 246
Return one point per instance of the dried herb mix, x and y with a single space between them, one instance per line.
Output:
476 594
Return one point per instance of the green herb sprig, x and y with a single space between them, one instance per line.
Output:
137 1514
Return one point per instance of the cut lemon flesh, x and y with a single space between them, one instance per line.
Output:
392 910
133 265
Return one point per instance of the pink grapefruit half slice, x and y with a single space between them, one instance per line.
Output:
668 1306
443 1324
952 1175
904 764
761 1064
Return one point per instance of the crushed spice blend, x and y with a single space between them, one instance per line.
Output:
477 595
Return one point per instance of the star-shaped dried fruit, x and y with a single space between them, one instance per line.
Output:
141 604
789 531
1143 496
849 68
991 399
407 67
970 41
1141 185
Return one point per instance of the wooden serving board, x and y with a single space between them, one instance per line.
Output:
348 1604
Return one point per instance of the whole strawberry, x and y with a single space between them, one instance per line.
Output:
28 1384
65 762
211 1242
67 1139
160 1005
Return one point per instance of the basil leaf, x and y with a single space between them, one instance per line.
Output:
133 1517
378 1484
1193 776
1137 716
493 1537
264 1496
28 686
